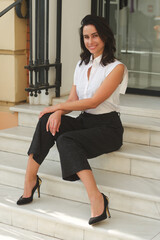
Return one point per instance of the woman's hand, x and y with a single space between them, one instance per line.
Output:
46 110
54 119
54 122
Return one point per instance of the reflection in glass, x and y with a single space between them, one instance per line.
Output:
136 25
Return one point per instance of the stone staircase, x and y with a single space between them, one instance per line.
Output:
130 178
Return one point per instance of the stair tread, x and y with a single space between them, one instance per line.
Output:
14 233
75 214
140 101
115 182
19 132
140 105
138 151
149 123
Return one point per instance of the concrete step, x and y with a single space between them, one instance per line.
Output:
138 129
130 194
132 159
68 220
17 140
141 130
8 232
147 106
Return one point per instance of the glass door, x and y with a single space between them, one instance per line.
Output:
136 26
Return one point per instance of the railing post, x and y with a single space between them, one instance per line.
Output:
58 50
47 42
36 42
41 39
31 47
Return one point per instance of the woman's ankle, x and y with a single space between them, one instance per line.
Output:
30 178
29 184
95 196
97 205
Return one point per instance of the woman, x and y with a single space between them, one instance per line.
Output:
98 80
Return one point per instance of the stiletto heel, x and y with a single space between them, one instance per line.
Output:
23 200
38 188
107 208
108 213
103 216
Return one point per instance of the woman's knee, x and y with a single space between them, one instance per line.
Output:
43 120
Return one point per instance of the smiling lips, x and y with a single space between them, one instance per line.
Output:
92 47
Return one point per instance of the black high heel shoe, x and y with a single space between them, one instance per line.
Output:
23 201
103 216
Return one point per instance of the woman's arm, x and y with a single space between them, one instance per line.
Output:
106 89
54 120
72 97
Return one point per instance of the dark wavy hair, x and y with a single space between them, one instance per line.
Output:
106 35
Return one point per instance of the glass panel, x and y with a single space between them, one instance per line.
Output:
136 25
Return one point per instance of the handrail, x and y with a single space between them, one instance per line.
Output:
10 7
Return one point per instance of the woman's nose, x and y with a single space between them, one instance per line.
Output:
90 40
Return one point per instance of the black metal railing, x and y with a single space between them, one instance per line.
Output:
17 5
39 67
39 64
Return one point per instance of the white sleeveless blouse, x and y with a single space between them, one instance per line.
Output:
86 88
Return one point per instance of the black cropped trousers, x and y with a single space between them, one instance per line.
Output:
78 140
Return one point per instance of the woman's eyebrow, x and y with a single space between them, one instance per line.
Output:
94 33
91 34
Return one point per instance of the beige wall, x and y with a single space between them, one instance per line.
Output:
13 78
72 13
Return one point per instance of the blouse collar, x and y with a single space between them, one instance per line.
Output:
96 60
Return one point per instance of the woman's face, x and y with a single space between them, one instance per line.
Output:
92 40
